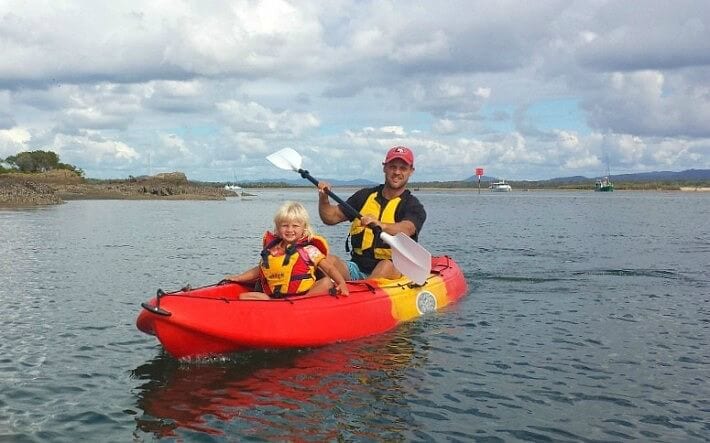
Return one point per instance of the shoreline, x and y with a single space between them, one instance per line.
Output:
694 189
56 187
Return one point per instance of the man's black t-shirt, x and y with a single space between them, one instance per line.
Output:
410 208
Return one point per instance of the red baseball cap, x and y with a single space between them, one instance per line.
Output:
401 153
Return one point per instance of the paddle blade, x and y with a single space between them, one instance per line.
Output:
409 257
286 158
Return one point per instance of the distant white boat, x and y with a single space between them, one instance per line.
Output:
500 186
239 191
233 187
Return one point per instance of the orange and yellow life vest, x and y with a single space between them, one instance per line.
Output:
293 272
362 239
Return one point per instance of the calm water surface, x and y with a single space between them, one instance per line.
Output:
588 319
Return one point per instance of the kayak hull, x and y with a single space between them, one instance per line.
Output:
212 320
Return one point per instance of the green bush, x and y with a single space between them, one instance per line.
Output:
37 161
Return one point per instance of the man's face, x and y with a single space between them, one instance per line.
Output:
397 173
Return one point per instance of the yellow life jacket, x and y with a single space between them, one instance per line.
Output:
293 272
363 241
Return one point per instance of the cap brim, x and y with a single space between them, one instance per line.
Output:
400 157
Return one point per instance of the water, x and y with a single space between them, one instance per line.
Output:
588 319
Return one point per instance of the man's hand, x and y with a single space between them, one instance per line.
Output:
329 214
323 187
366 220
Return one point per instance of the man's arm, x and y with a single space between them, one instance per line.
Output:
404 226
411 221
330 214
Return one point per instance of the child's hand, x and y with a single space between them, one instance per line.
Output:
342 288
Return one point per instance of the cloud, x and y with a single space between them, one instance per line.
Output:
448 97
137 42
445 126
14 140
6 121
171 96
651 103
653 37
91 152
528 91
252 117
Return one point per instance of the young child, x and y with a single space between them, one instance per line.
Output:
290 258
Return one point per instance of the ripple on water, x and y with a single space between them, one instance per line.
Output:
575 329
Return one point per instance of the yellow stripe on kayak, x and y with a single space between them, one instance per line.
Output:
411 302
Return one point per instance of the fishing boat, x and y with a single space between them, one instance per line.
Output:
500 186
213 320
604 184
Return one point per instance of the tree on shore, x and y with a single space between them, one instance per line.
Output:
37 161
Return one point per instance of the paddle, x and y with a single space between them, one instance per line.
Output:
409 257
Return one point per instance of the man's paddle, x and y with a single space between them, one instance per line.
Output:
409 257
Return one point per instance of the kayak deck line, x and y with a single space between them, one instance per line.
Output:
370 288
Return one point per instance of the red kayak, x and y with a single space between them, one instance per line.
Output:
212 320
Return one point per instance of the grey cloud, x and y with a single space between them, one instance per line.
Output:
6 120
344 89
118 80
177 105
181 98
650 104
47 99
303 99
630 36
451 97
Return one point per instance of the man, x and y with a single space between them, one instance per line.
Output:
390 206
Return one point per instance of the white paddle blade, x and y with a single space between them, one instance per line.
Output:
286 158
409 257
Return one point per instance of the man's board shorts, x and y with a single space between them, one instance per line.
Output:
355 272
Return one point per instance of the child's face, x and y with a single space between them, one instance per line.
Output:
291 230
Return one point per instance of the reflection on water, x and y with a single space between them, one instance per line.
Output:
318 394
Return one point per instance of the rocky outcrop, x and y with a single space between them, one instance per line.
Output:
177 178
56 186
19 194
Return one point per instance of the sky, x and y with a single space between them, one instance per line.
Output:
525 90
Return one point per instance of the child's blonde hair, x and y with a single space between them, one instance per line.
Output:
294 211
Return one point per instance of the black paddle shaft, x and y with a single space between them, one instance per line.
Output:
350 212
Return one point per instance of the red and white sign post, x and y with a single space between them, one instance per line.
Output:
479 173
